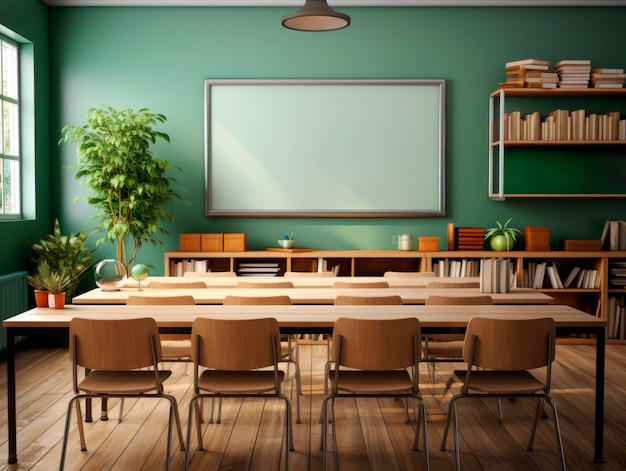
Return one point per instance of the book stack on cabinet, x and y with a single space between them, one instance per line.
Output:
573 73
607 78
465 238
530 73
614 235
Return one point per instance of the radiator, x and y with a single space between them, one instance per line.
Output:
13 299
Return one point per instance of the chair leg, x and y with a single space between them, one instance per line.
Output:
500 419
455 426
298 386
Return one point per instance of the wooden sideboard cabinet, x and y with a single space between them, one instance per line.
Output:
602 295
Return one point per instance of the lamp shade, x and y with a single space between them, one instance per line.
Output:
316 15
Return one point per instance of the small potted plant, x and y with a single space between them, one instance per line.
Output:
502 237
56 283
37 281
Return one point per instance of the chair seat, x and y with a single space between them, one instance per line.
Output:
452 349
501 382
238 382
176 349
363 382
121 382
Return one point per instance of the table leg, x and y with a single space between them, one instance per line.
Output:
11 407
600 372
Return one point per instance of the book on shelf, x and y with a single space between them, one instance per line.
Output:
607 71
527 62
616 321
572 62
614 235
571 277
541 85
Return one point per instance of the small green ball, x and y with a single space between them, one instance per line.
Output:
139 272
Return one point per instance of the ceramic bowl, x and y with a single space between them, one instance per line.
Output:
286 243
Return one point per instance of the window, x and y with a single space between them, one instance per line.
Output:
10 204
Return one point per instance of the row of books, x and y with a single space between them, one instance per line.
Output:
576 73
539 275
456 268
179 267
564 125
614 235
616 318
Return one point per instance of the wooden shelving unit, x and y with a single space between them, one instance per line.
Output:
498 146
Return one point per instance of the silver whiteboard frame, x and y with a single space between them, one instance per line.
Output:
437 210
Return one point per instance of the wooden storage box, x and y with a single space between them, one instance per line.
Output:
536 238
190 243
234 242
582 245
428 244
212 242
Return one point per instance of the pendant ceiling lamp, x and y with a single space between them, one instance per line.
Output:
316 15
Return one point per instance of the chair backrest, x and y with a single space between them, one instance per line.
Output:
381 344
458 300
343 300
235 344
453 284
209 274
114 344
360 284
408 274
309 274
264 284
510 344
177 285
137 300
233 300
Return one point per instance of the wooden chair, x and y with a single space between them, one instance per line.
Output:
408 274
175 347
309 274
231 354
370 358
505 350
360 284
286 347
448 347
452 284
264 284
114 351
177 285
209 274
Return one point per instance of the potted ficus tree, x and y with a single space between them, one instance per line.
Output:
129 188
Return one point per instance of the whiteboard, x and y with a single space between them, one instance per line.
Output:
369 148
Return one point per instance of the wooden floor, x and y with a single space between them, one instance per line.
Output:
372 434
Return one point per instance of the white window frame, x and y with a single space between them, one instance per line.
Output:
10 139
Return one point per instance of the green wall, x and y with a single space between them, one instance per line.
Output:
159 57
26 21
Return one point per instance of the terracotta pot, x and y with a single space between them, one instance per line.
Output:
56 301
41 298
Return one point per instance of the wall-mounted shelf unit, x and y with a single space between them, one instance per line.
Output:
498 147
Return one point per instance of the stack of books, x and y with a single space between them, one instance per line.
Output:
530 73
495 275
470 238
573 73
607 78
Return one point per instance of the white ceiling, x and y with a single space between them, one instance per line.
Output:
333 3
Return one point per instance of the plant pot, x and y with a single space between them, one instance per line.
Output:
56 301
500 243
41 298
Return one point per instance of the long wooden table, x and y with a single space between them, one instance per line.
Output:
303 318
310 295
302 282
